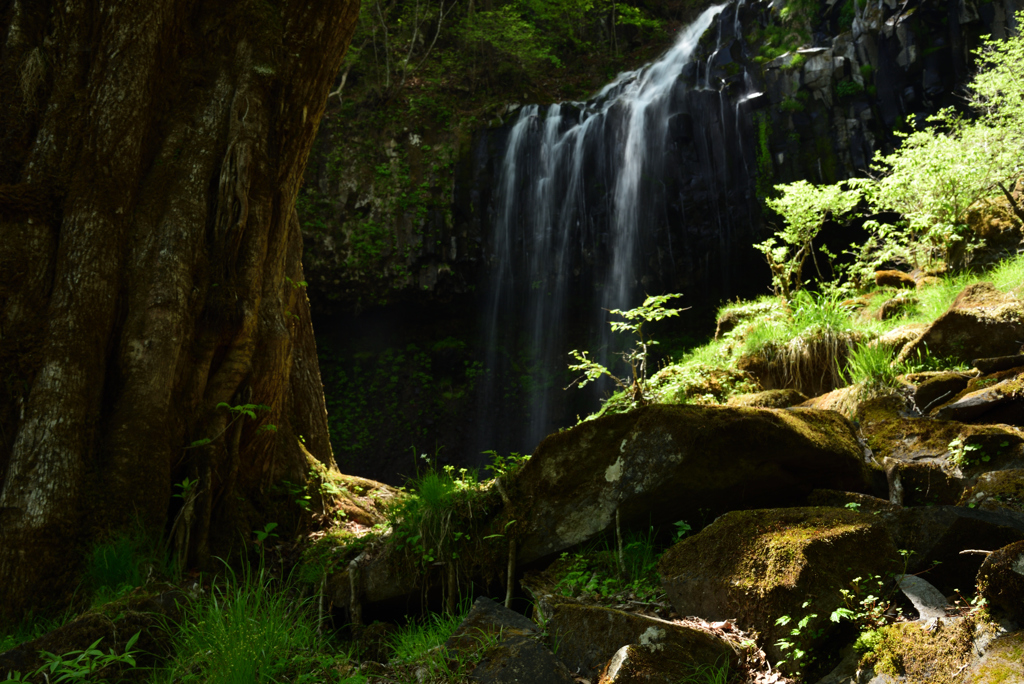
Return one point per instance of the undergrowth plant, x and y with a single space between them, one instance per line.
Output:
595 570
636 385
29 628
251 628
86 665
433 523
122 561
871 366
868 603
418 645
808 349
707 674
797 645
424 521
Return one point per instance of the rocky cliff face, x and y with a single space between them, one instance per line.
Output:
421 222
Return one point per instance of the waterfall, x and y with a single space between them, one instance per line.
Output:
580 204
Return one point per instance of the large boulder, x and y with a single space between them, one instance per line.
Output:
661 464
1001 580
981 322
758 566
589 636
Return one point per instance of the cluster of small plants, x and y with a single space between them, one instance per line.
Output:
963 454
605 571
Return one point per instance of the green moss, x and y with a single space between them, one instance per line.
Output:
997 489
770 546
1004 662
765 165
791 105
921 654
846 15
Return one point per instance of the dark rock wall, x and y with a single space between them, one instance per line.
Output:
738 126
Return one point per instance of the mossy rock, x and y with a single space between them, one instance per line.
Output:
997 398
145 610
778 398
1000 491
1003 662
920 653
938 389
925 466
860 405
757 566
589 636
863 503
981 322
661 464
999 364
1001 580
900 338
518 659
895 279
488 619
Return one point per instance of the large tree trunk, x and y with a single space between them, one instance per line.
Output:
150 269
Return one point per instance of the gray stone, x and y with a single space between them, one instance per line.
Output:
661 464
511 645
928 601
938 389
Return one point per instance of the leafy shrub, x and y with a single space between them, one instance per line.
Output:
506 32
805 208
639 391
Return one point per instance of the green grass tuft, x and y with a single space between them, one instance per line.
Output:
870 365
1008 274
121 562
251 628
707 674
417 638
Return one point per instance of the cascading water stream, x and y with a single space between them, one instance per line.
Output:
575 191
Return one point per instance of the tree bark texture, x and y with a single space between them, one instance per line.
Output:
150 269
